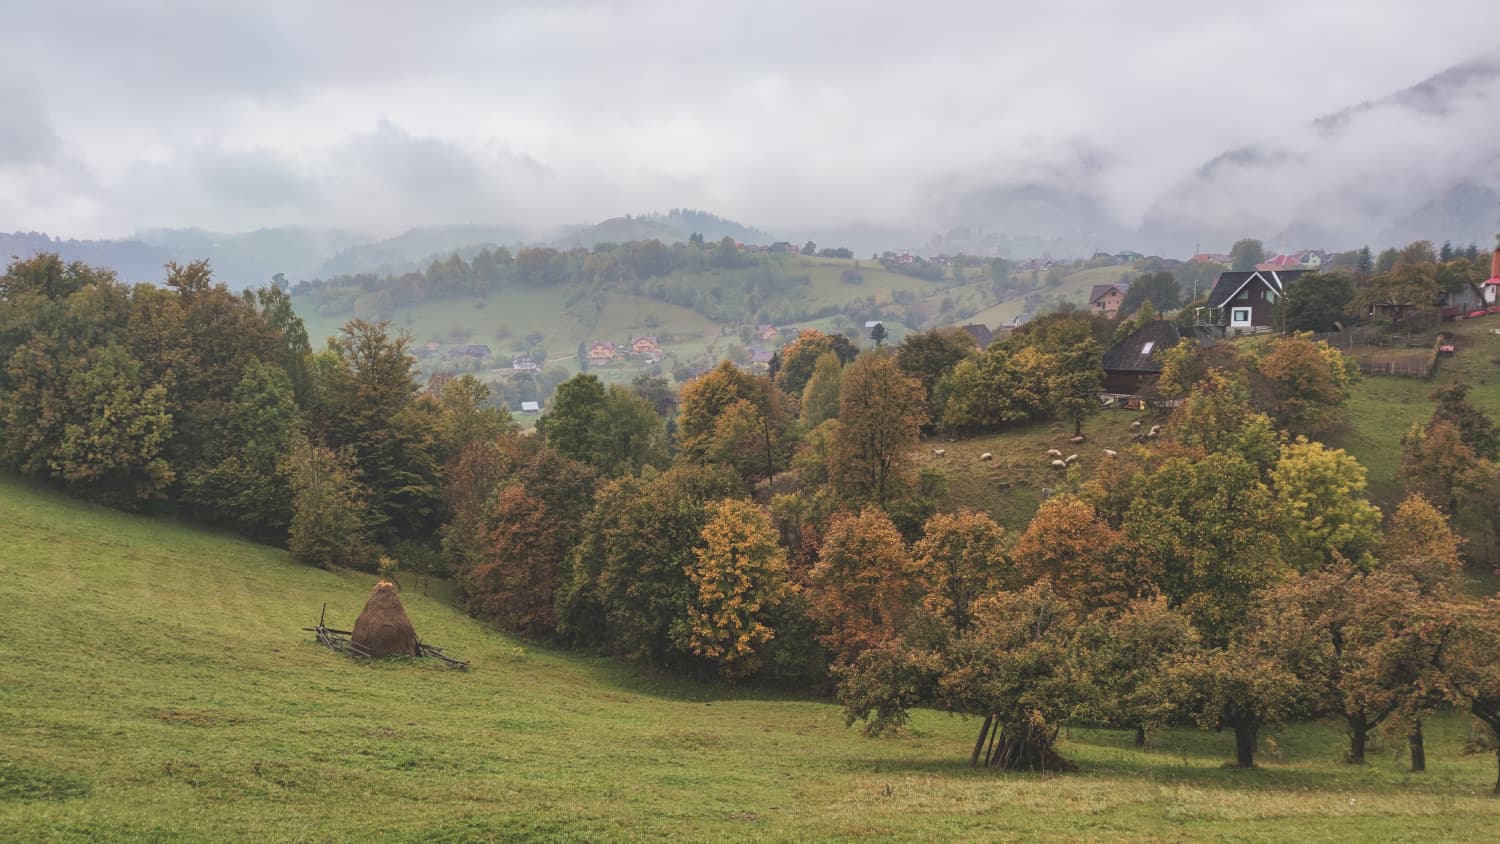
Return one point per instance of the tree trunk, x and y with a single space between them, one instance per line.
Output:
1140 736
1359 735
1418 751
1077 424
1497 774
979 745
1244 744
1029 746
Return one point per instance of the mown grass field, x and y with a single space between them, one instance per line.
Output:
155 687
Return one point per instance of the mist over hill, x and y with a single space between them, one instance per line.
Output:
1419 163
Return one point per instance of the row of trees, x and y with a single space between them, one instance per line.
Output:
1232 574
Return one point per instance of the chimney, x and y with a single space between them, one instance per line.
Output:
1495 263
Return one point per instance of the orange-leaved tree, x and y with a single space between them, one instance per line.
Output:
959 559
860 590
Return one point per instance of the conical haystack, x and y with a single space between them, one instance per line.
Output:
383 628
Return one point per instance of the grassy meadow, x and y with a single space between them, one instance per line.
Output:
156 687
1074 287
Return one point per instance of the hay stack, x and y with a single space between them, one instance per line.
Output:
383 628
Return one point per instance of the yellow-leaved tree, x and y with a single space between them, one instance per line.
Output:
739 574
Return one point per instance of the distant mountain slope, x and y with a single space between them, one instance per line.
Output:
250 259
132 259
416 248
1421 163
676 225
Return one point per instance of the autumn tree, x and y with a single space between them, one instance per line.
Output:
1271 671
862 587
1014 668
1436 462
1303 384
738 577
515 579
705 399
1084 558
1128 656
1217 417
1418 531
792 365
1470 664
1320 493
625 581
881 413
1403 288
1209 533
959 560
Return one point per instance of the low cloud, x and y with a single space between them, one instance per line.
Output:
1084 114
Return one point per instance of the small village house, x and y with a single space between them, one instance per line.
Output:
601 352
1245 302
1105 299
646 347
524 363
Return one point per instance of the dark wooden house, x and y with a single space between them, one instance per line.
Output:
1132 365
1245 302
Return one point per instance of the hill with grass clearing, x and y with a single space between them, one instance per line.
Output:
157 686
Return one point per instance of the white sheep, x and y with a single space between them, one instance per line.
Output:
939 452
1077 439
1109 452
1070 459
1058 464
1136 425
1052 452
987 456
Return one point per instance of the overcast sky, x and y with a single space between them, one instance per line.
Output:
116 116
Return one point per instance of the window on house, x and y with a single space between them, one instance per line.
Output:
1148 346
1240 315
1244 296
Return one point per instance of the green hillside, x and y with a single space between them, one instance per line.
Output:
156 686
1074 288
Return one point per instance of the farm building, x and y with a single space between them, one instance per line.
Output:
531 407
524 363
982 334
601 352
1132 365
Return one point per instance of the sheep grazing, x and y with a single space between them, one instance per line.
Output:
1070 460
1154 432
1136 425
1076 440
1058 464
939 452
987 456
1109 452
1052 452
